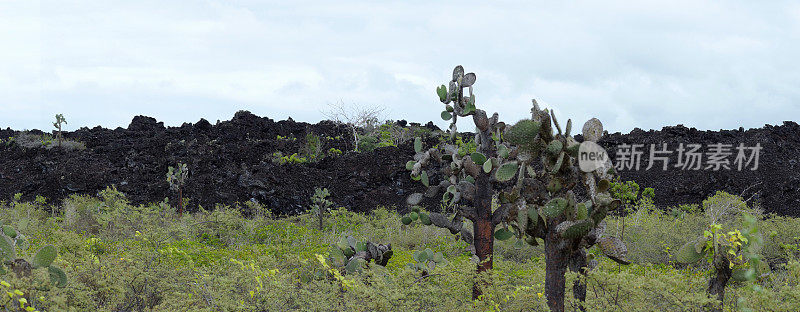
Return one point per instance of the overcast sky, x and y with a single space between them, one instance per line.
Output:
704 64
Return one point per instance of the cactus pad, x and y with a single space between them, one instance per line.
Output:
506 171
425 219
487 166
614 248
7 251
478 158
523 133
554 207
592 130
689 254
9 231
503 234
557 166
57 276
554 147
442 92
563 226
522 218
355 265
578 230
45 256
581 212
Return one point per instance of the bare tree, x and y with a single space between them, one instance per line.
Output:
356 117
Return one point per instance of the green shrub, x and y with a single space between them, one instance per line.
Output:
279 158
312 150
213 260
368 143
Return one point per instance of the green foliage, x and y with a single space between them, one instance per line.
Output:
312 150
631 195
283 138
187 262
724 208
465 147
8 141
391 134
334 152
29 140
10 240
279 158
368 144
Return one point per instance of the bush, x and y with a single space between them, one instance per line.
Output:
140 258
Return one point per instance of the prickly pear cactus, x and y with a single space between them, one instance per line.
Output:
352 255
426 261
530 167
10 239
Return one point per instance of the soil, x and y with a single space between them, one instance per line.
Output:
231 162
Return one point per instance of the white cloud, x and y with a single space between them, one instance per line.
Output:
644 64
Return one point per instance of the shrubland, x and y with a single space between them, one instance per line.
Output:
121 257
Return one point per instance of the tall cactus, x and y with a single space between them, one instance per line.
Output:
532 170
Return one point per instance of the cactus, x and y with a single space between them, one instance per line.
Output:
692 251
352 255
7 250
43 259
9 231
176 177
426 261
533 202
59 120
320 204
733 255
57 276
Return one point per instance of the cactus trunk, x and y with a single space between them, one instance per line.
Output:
320 217
483 230
555 267
577 263
180 201
716 285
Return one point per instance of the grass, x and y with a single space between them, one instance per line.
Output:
120 257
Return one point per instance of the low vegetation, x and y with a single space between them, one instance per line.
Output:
120 257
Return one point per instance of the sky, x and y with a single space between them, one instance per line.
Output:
647 64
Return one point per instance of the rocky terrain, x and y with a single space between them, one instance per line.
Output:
232 162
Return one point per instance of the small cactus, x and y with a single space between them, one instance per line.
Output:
176 177
21 267
353 255
427 260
